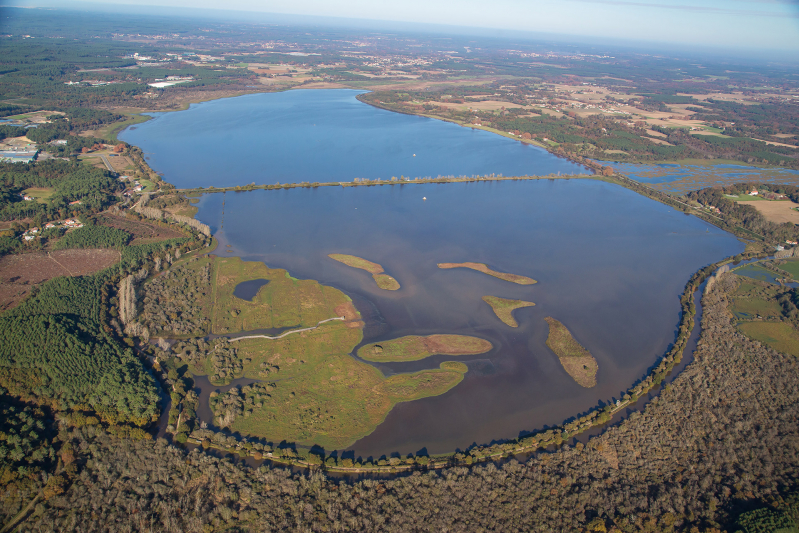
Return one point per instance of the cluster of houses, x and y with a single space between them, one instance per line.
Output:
70 223
136 186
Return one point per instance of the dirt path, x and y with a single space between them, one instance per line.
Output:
287 332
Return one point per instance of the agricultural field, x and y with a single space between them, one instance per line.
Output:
504 308
754 299
792 267
21 273
779 335
767 312
777 211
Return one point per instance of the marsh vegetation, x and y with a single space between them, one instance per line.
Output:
504 308
383 280
482 267
414 347
576 360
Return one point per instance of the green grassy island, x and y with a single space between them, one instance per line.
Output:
482 267
576 360
383 280
504 308
414 348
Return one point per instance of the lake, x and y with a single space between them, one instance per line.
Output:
322 135
610 264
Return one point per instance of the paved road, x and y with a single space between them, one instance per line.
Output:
107 164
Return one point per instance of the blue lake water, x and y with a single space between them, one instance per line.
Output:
610 264
322 135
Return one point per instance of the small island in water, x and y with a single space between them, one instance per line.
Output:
414 348
504 308
383 280
576 360
482 267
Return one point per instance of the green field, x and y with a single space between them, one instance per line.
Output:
779 335
504 308
745 308
311 390
414 348
42 195
284 302
791 267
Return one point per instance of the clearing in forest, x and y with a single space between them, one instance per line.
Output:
143 232
504 308
779 335
576 360
482 267
20 273
383 280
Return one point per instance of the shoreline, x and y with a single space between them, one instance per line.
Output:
540 439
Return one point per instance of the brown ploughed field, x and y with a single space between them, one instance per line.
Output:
19 274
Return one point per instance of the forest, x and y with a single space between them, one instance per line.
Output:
70 181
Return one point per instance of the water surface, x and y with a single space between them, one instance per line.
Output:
322 136
610 265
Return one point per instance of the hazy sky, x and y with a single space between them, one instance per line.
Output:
754 24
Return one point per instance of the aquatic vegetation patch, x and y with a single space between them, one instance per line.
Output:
482 267
414 348
504 308
576 360
383 280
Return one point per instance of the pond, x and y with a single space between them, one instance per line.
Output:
246 290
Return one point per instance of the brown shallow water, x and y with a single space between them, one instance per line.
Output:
610 266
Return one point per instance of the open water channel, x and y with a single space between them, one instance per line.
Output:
610 264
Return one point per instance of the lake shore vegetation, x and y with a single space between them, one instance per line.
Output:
576 360
482 267
383 280
504 308
414 348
